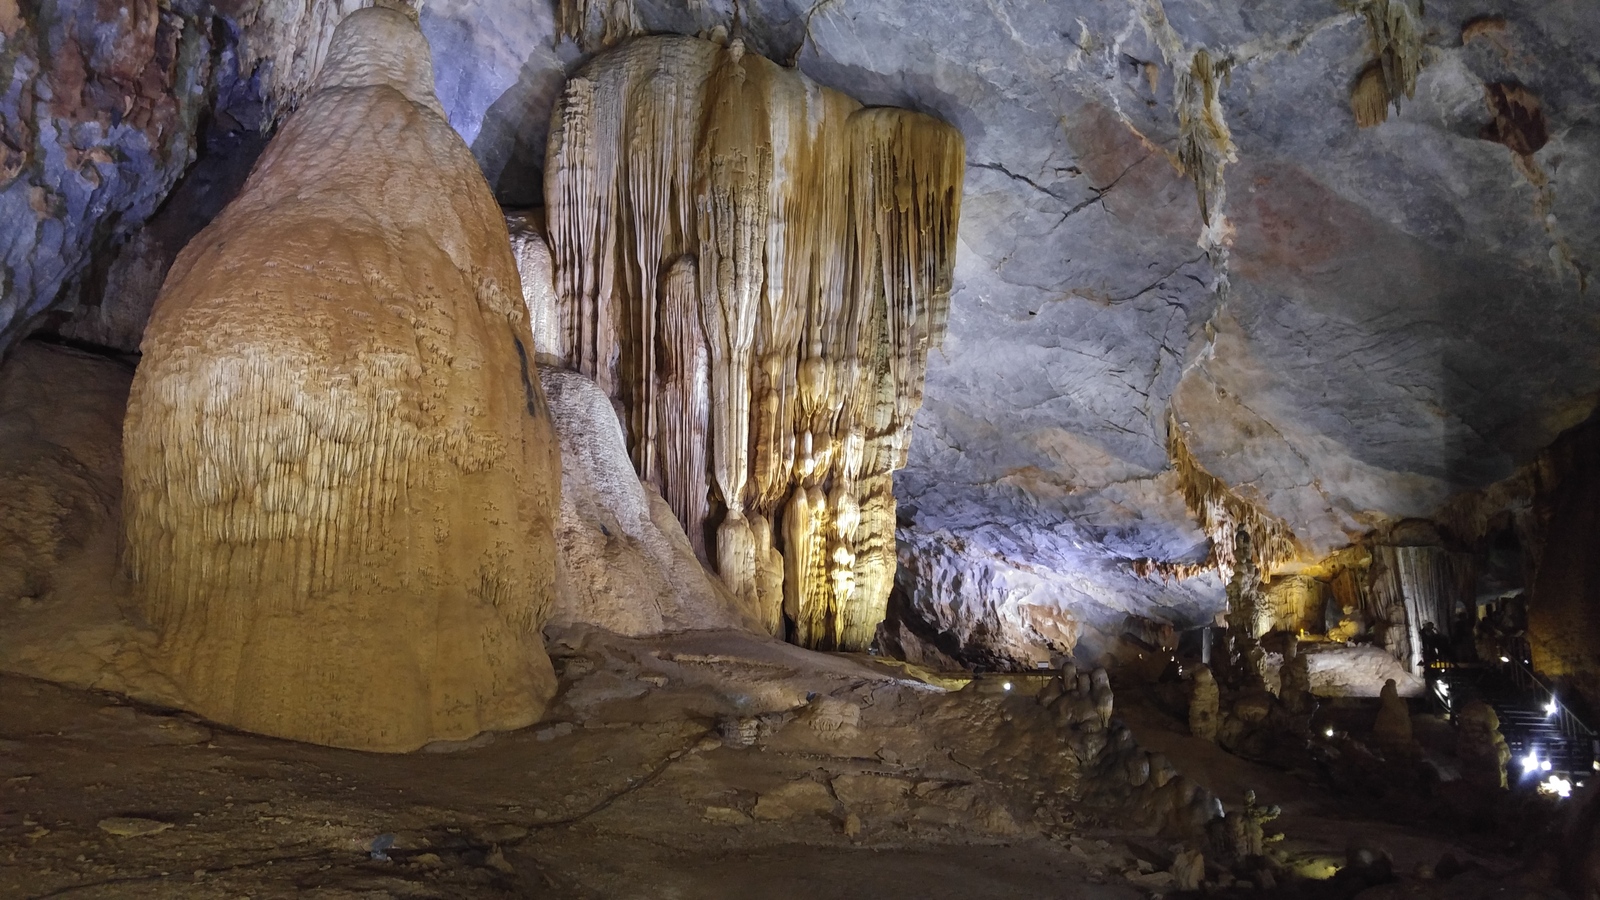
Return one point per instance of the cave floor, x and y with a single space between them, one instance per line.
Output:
642 799
638 784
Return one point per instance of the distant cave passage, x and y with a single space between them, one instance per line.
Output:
754 267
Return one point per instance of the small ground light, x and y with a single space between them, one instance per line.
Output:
1328 732
1505 659
1550 708
1007 685
1544 765
1530 762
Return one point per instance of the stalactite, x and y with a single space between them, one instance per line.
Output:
1295 603
1221 512
1395 27
735 166
684 407
806 590
769 573
1369 97
617 21
1413 586
875 561
1246 623
1205 144
1387 606
821 236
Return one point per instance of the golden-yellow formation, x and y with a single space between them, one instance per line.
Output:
340 477
754 266
1395 27
1205 145
1223 513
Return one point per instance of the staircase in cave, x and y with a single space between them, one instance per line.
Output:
1544 736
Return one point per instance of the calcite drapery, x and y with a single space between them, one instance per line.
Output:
339 471
754 267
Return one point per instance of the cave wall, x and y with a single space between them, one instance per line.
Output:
99 108
1366 320
1564 604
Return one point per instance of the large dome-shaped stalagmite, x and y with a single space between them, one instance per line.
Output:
340 471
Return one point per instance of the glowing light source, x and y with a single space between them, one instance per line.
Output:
1007 685
1556 785
1551 707
1531 761
1328 732
1505 659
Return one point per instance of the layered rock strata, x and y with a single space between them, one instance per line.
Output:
754 267
340 474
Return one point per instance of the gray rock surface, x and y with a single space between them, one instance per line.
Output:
98 111
1373 320
625 564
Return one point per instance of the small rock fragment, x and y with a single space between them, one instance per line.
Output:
558 730
132 826
724 815
852 825
497 860
1188 870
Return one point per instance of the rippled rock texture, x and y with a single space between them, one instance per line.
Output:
340 475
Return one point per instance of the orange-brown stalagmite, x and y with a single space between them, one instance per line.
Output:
340 471
724 228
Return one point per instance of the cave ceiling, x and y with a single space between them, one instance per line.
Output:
1367 322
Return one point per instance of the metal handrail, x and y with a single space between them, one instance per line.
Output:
1526 679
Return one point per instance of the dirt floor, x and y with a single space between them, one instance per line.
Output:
701 766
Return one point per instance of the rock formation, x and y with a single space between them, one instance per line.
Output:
726 229
339 470
1480 746
59 476
534 269
626 565
1294 681
60 486
98 108
1245 621
1085 318
1203 705
1392 727
1250 834
1564 620
1188 870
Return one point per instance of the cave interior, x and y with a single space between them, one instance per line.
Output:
863 448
